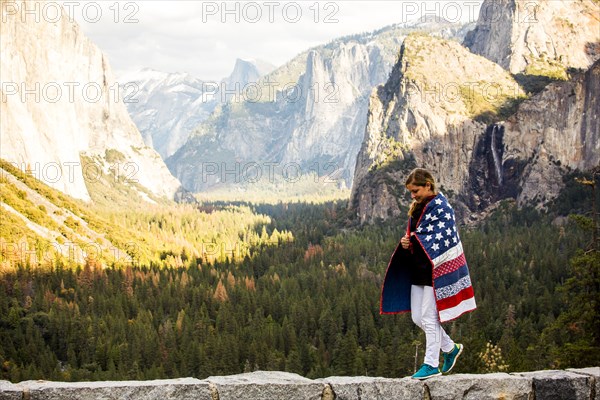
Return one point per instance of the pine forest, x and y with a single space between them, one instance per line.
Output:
224 288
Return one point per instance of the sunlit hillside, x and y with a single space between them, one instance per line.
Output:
44 227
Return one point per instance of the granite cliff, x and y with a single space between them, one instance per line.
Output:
537 37
552 133
484 131
60 102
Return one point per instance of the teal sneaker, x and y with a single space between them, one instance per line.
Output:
426 371
451 357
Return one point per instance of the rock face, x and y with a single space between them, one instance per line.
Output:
520 34
526 156
8 391
426 115
60 101
577 384
556 130
307 116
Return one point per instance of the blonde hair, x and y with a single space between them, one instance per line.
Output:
419 177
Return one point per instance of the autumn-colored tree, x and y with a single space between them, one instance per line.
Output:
220 293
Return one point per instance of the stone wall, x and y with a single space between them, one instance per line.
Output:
572 384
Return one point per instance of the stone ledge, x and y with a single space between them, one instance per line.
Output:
594 372
164 389
8 391
265 385
481 387
363 387
559 385
272 385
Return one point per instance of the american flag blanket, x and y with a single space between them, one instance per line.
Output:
436 232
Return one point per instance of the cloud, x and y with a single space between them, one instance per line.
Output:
204 38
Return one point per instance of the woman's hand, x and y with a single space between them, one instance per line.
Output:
405 241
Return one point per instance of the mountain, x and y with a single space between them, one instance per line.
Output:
246 72
538 37
302 122
166 107
429 113
63 117
471 122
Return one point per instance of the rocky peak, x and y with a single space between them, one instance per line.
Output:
247 71
430 113
167 106
331 87
537 37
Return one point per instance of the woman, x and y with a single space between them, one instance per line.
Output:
428 274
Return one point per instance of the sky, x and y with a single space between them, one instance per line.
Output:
204 38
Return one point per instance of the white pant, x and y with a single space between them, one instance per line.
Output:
425 316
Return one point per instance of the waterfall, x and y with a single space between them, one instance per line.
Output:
497 162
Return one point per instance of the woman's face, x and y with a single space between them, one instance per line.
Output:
420 193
